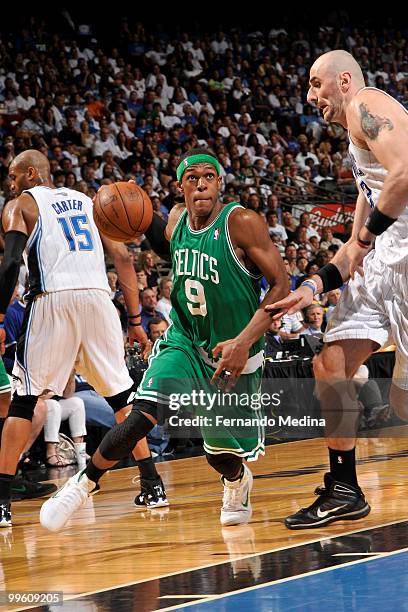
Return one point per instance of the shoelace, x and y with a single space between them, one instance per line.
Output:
318 491
231 497
71 497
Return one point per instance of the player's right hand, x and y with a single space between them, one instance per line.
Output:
136 333
295 301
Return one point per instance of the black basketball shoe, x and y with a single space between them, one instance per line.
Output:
26 489
152 494
336 501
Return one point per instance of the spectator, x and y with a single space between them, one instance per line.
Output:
164 305
149 308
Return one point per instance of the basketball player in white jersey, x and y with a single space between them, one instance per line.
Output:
70 319
374 303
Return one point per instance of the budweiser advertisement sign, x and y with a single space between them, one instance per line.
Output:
332 215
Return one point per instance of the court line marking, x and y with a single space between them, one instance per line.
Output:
207 565
282 580
357 554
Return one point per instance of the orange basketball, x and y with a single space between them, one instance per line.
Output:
122 211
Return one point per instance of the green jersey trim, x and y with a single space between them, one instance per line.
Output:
252 365
183 214
204 229
231 248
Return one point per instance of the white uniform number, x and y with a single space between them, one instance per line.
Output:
196 298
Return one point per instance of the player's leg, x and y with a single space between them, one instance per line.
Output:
103 365
237 480
341 498
38 367
227 444
152 491
121 439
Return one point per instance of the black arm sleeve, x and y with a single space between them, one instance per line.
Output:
14 246
156 237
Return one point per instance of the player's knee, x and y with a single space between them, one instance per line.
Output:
122 399
123 437
22 406
326 366
226 464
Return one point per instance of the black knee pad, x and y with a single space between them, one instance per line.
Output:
122 399
22 406
122 438
226 464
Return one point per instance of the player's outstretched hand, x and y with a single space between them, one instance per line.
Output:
295 301
234 356
136 333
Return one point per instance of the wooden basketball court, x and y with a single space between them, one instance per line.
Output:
114 557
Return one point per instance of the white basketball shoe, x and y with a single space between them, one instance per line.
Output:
236 504
59 508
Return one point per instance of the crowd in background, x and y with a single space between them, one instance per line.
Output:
107 109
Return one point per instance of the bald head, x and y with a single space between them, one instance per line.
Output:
335 78
29 169
32 159
333 63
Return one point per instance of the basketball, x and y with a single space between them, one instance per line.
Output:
122 211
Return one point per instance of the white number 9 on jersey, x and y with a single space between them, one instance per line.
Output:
196 297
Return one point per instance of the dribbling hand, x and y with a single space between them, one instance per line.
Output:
136 334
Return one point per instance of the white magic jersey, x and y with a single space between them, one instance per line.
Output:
64 250
392 245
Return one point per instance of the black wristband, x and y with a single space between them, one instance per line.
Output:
134 324
331 277
377 222
134 316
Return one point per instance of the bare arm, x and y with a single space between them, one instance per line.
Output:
248 232
125 271
380 124
303 296
128 283
253 245
16 235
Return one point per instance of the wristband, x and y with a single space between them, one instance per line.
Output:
311 284
331 277
377 222
134 316
134 324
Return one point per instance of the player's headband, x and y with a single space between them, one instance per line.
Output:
197 159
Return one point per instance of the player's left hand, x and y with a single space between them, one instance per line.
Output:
355 255
137 334
234 356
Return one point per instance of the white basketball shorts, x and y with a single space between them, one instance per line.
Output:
66 329
375 307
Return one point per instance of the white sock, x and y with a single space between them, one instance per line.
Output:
80 450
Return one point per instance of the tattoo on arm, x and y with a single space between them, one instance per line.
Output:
372 124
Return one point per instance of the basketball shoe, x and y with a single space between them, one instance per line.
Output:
152 494
236 504
59 508
5 515
337 501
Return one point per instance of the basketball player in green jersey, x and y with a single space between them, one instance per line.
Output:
219 254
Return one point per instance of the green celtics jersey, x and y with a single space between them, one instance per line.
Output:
214 296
